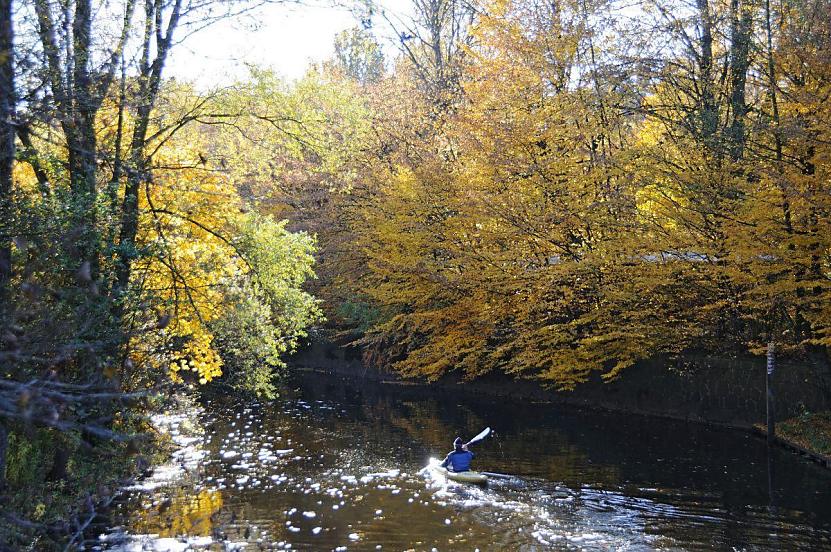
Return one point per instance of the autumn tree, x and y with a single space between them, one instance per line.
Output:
476 227
781 250
432 43
124 252
610 184
358 56
720 193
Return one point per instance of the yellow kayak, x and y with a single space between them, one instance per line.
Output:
463 477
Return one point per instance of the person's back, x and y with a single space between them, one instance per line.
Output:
459 459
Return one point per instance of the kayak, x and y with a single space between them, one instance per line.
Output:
463 477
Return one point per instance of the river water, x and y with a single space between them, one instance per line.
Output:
335 465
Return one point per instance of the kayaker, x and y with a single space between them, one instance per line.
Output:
459 459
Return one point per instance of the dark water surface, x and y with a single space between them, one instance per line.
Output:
336 466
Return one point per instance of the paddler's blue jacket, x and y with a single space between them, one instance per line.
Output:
459 459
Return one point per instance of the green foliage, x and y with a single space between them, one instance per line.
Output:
360 315
93 472
269 313
250 345
25 461
280 262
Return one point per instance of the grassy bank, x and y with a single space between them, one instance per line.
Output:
810 431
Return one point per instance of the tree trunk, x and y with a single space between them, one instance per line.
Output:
741 20
6 146
137 176
129 229
150 79
4 447
60 462
84 173
769 394
708 108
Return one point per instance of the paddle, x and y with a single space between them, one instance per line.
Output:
499 475
484 433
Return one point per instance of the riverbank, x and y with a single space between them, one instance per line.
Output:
43 512
179 427
808 434
728 392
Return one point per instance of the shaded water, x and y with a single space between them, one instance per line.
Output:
337 465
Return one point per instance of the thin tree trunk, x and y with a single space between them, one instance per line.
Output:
84 175
150 79
774 101
60 462
709 110
4 447
740 26
6 146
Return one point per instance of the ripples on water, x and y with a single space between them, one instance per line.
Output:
339 468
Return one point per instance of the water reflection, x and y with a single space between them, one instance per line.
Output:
181 514
338 466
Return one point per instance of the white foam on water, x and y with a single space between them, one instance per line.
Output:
154 543
388 473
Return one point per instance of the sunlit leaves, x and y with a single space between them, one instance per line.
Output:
219 269
562 218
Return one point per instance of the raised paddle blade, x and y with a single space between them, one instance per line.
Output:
481 436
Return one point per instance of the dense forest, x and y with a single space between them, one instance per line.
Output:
542 189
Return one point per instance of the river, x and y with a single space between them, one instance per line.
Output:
335 465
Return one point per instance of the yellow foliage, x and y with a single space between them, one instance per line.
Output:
187 276
538 228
